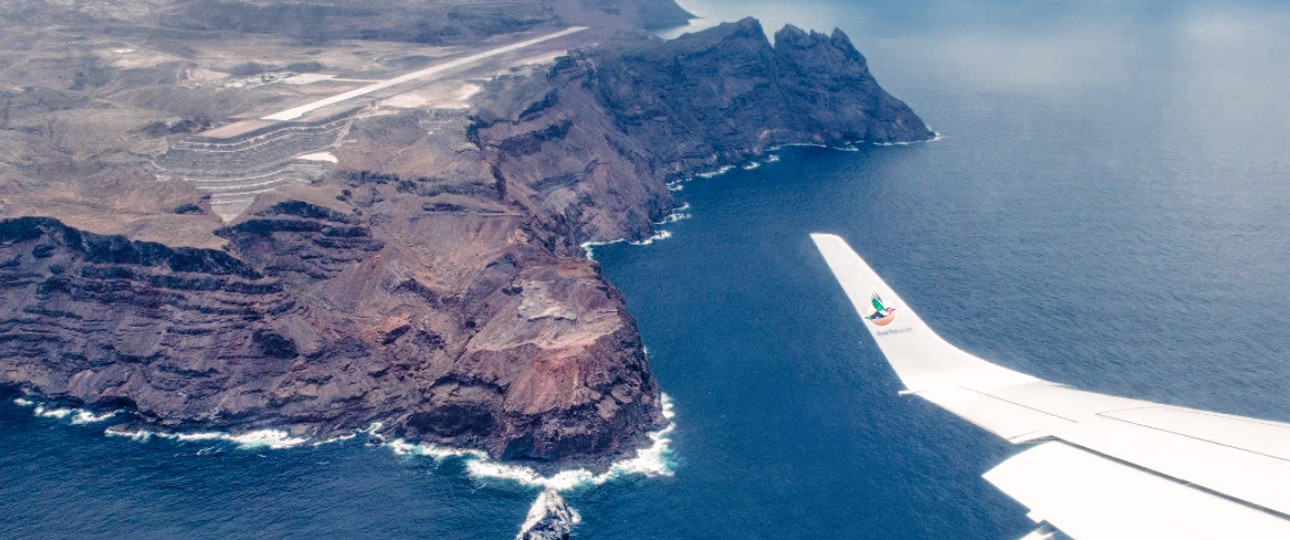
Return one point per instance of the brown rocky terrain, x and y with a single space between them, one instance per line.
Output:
596 143
432 280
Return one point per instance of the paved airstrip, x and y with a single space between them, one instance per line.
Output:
237 162
297 112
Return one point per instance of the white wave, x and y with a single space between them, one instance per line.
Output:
935 137
723 170
336 439
261 438
83 416
680 213
660 235
797 145
589 247
434 451
271 438
138 436
769 157
75 415
525 476
47 412
370 430
655 460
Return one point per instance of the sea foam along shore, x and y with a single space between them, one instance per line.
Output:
274 439
76 416
771 155
659 234
682 212
655 460
936 136
679 213
261 438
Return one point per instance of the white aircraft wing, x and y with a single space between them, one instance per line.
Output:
1097 466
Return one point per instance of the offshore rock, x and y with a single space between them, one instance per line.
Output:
550 518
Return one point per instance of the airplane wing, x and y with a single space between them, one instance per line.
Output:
1096 466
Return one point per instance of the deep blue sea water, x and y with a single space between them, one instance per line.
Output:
1109 208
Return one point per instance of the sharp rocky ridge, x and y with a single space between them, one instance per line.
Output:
446 298
550 518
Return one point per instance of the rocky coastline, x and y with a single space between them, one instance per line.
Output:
448 297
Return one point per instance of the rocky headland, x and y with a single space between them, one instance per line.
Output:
433 280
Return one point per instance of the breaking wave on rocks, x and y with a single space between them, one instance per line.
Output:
936 136
655 460
720 171
660 235
71 414
254 439
273 439
678 214
590 247
681 212
261 438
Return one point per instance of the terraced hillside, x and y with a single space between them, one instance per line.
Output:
235 169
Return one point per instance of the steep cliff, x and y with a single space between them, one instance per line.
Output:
312 322
434 281
616 123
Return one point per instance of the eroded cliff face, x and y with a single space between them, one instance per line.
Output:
434 281
594 152
315 322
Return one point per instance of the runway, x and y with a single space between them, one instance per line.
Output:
297 112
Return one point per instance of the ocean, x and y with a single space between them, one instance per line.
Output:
1108 207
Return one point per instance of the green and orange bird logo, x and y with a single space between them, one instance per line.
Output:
882 314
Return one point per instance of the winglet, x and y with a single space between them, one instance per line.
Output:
920 358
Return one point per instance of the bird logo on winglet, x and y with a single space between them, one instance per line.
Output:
882 314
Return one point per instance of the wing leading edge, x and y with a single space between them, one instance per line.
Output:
1114 467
